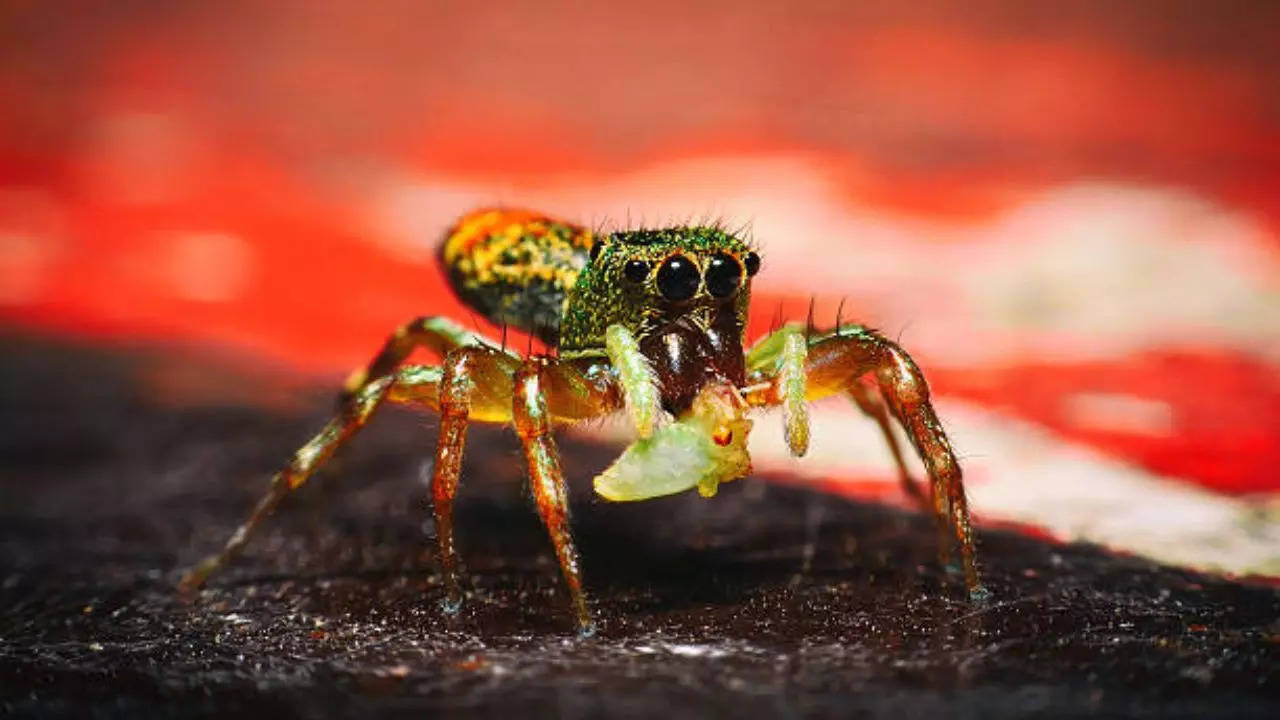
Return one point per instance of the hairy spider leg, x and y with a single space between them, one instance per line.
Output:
441 335
835 362
305 462
469 374
546 479
780 349
873 406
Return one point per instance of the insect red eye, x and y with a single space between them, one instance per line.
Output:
752 261
678 278
636 270
723 275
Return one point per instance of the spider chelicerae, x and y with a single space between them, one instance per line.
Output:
649 322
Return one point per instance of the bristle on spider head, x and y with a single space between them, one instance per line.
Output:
901 330
475 323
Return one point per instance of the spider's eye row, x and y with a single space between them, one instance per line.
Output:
723 275
752 261
636 270
596 246
678 278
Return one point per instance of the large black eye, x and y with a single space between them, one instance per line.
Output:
636 270
723 275
678 278
596 247
752 261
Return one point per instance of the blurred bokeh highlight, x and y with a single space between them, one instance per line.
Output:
1069 211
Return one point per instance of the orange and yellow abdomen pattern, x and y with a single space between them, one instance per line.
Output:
515 267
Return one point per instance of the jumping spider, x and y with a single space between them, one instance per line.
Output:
646 321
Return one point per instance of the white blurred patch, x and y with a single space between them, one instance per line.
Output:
1128 267
208 266
410 215
1112 412
1027 474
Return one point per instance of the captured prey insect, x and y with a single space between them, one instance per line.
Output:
647 322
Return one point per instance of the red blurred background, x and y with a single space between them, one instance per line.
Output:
1068 211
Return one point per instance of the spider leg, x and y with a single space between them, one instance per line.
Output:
452 396
835 362
438 333
872 405
443 336
475 383
305 462
546 479
472 383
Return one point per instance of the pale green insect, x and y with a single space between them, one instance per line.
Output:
705 447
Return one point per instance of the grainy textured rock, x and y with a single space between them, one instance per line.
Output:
766 600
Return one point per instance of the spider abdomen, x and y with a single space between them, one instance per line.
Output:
515 267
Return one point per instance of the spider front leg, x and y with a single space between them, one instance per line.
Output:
835 362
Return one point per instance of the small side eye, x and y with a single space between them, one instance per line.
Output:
596 247
678 278
752 263
636 270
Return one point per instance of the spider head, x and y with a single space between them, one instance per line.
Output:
682 291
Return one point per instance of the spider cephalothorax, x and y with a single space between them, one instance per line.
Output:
681 292
648 322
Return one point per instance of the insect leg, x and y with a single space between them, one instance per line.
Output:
533 425
305 462
873 406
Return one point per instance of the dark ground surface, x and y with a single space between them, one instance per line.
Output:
766 600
